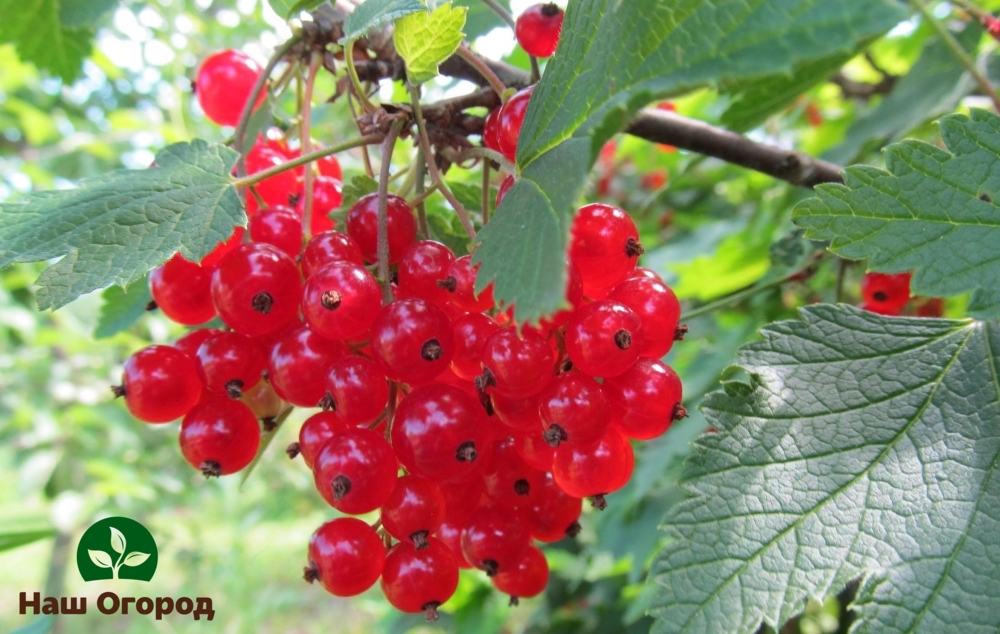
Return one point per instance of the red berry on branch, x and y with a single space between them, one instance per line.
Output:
346 556
257 289
355 471
362 225
510 119
537 29
160 383
183 291
416 581
341 300
225 80
280 227
297 364
526 578
219 436
414 510
886 293
328 247
412 341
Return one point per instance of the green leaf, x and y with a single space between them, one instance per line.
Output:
114 228
480 19
374 13
613 58
34 27
865 446
25 529
933 212
84 13
260 120
360 186
471 196
425 40
122 308
289 8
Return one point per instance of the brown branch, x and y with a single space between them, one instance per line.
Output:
851 89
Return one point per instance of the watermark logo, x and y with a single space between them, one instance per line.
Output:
116 548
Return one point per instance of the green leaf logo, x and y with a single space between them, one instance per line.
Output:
132 553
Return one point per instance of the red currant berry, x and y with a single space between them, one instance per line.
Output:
460 283
219 436
225 80
551 514
471 332
463 497
362 225
537 29
160 383
416 581
517 367
573 409
329 247
534 450
314 434
510 119
491 130
596 470
355 471
330 166
231 363
355 389
439 432
450 534
508 479
657 308
519 415
183 291
641 272
886 292
222 249
275 190
263 402
422 265
256 289
340 300
505 186
412 341
280 227
191 341
414 510
346 556
494 539
298 362
526 578
604 338
646 399
328 195
604 246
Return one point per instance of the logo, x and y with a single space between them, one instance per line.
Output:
116 548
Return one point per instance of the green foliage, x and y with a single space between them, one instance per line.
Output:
19 529
425 39
84 13
38 30
862 447
659 50
290 8
374 13
122 308
114 228
932 212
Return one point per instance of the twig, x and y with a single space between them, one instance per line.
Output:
487 153
422 196
477 62
265 441
383 209
421 172
306 141
364 150
958 52
355 82
425 145
504 14
253 179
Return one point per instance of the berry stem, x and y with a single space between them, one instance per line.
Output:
305 140
485 200
383 210
487 153
355 82
421 173
265 442
369 139
477 62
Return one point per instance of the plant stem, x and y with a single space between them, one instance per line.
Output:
421 172
364 151
253 179
477 62
501 11
959 52
265 442
383 209
425 145
355 82
485 201
241 125
306 141
422 196
973 9
536 72
487 153
737 297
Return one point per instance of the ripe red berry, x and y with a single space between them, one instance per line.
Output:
533 449
298 362
551 514
573 409
225 80
191 341
412 341
419 580
450 534
471 332
346 556
596 470
422 265
517 366
257 289
327 196
885 292
537 29
182 290
275 190
362 225
355 471
491 130
520 415
460 283
414 510
526 578
160 383
280 227
330 166
328 247
604 247
604 338
510 119
505 186
219 436
231 363
508 480
355 389
222 249
340 300
494 539
315 432
657 308
646 398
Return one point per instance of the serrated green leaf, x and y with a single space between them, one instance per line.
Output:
933 212
471 196
425 40
114 228
613 58
374 13
445 226
122 308
866 446
34 27
84 13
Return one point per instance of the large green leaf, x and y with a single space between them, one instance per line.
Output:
122 308
424 39
865 446
114 228
615 57
933 212
34 27
373 13
84 13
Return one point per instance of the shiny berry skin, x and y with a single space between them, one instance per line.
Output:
275 190
494 539
280 227
518 366
471 332
222 249
551 514
886 292
450 534
355 471
225 80
463 497
422 265
491 130
330 166
526 578
505 186
573 409
298 362
356 389
327 195
231 363
534 450
412 341
346 555
595 470
183 291
537 29
508 480
416 581
328 247
219 436
189 342
604 338
439 432
657 308
262 401
362 225
645 398
510 119
519 415
604 247
340 300
414 510
460 283
316 431
160 383
256 289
